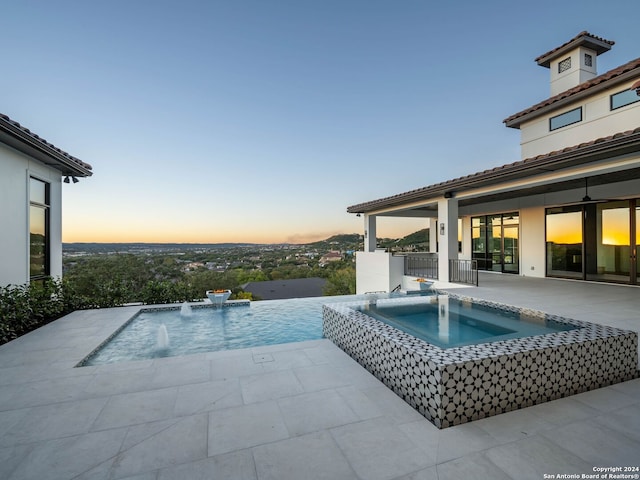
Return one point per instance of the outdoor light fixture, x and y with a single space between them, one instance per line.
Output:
636 87
66 179
75 180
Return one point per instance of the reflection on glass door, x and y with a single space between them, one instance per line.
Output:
594 241
637 244
495 242
608 229
510 239
564 241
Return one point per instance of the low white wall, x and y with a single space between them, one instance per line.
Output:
378 272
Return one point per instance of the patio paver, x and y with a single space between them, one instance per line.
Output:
302 410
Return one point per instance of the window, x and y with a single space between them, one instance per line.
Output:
38 229
566 118
564 65
621 99
588 60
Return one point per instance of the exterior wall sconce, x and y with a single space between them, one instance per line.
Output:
66 179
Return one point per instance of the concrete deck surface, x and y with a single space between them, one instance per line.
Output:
297 411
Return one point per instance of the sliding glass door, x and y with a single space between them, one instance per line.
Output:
594 241
564 242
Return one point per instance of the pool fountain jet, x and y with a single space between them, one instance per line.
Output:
218 297
186 310
162 341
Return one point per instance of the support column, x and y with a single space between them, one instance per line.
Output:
369 233
448 235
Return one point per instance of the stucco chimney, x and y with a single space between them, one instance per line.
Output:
574 62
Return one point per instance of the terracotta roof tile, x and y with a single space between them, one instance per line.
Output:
43 142
456 182
605 77
582 34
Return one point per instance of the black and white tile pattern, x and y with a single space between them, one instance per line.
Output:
457 385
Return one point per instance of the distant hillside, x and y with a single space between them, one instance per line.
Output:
421 236
94 247
341 238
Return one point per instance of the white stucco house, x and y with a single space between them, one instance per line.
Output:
31 177
569 208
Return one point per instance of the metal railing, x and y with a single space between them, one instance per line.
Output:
421 265
463 271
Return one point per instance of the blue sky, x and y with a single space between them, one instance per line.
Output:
261 121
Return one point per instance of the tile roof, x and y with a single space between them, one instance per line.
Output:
494 174
599 44
599 80
24 135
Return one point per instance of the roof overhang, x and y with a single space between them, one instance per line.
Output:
491 182
620 75
583 39
21 139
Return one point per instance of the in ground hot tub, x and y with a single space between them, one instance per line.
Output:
516 358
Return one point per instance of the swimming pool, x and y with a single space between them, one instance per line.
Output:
447 322
463 383
156 332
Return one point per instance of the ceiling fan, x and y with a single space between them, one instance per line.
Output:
586 199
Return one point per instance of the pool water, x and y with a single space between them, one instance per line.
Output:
448 323
165 333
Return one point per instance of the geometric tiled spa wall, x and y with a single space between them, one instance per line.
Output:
458 385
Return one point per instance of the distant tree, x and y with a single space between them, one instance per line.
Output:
341 282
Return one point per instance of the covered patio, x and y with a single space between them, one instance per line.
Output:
549 215
301 410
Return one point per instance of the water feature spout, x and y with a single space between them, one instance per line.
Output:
162 341
186 310
218 297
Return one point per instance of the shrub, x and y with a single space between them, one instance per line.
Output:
27 307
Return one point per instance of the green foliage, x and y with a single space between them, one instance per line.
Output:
341 282
108 281
103 279
25 308
165 291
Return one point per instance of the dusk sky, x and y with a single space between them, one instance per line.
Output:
262 121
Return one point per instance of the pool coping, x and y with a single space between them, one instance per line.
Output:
466 383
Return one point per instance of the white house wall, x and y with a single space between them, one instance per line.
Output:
15 170
532 241
598 121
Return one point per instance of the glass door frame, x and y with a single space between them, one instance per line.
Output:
589 248
490 259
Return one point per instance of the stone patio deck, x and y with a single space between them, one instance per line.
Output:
296 411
